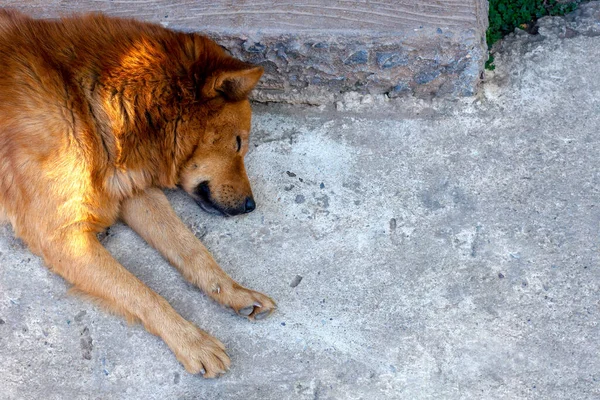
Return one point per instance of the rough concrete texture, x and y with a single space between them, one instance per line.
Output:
314 50
447 251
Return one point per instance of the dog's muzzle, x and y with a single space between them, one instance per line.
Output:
203 197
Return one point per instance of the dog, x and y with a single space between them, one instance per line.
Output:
97 116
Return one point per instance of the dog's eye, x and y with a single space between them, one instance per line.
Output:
239 143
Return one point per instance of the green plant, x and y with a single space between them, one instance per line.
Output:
506 15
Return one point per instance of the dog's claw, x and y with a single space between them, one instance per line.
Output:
246 311
262 315
253 311
248 303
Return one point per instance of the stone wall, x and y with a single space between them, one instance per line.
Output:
315 50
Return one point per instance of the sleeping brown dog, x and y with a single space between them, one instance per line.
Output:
96 115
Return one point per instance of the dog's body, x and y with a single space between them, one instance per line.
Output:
96 115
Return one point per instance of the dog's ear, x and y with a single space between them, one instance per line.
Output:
233 84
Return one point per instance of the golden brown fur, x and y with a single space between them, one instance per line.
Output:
97 114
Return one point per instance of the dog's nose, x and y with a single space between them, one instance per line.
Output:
203 190
250 205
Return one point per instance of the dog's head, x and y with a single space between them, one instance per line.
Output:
215 175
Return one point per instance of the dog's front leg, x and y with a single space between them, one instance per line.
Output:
82 260
152 217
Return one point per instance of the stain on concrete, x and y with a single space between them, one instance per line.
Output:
86 343
79 317
322 201
296 281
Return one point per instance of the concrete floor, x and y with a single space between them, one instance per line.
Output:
447 251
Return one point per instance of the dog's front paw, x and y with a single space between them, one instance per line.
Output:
200 353
249 303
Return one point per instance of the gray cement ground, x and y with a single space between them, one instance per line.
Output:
447 251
